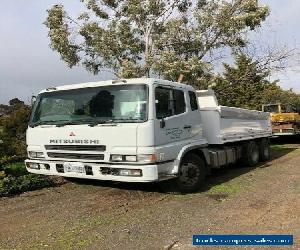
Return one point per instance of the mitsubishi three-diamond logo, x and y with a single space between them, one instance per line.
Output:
72 134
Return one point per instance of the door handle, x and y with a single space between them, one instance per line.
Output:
187 126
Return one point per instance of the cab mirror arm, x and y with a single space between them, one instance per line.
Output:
33 100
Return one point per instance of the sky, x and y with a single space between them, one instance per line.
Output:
28 65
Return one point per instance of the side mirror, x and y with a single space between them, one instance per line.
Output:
162 123
33 100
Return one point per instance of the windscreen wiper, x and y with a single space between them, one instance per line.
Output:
69 123
126 119
82 122
95 123
35 124
115 120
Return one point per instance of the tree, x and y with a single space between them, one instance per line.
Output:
242 85
134 38
246 85
269 57
274 94
15 101
13 129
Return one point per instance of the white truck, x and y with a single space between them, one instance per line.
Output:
141 130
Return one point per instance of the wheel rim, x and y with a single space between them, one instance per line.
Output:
189 174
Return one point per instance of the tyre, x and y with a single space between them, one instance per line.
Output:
250 154
191 175
264 149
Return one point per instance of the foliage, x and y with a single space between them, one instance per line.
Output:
241 85
15 185
246 85
143 37
15 179
14 125
16 169
5 160
274 94
15 101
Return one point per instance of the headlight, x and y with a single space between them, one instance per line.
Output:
128 158
116 157
33 154
145 158
131 158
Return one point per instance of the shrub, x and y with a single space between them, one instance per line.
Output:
13 129
16 169
5 160
14 179
11 185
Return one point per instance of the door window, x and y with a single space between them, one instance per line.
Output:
193 100
179 103
169 102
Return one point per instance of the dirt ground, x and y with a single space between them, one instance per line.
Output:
100 215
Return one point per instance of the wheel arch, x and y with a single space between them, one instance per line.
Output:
198 149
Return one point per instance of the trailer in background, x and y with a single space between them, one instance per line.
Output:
285 119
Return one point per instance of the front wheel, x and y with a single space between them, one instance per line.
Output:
191 175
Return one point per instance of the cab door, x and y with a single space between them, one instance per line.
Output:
172 121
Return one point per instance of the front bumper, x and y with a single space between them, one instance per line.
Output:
150 173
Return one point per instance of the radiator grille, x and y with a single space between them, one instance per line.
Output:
76 147
76 156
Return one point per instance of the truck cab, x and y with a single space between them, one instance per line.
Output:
132 130
140 130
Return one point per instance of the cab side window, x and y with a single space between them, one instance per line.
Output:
169 102
163 104
193 100
179 102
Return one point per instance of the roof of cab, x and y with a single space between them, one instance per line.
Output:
118 82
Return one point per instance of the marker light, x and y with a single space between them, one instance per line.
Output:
147 158
130 172
33 165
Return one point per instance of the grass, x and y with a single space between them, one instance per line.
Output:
278 146
230 187
82 233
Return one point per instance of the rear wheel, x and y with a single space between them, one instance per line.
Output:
264 149
192 173
250 154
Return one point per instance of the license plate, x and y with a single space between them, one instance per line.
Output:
74 167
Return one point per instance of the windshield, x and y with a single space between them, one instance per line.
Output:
119 103
271 108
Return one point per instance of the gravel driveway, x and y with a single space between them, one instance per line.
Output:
100 215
